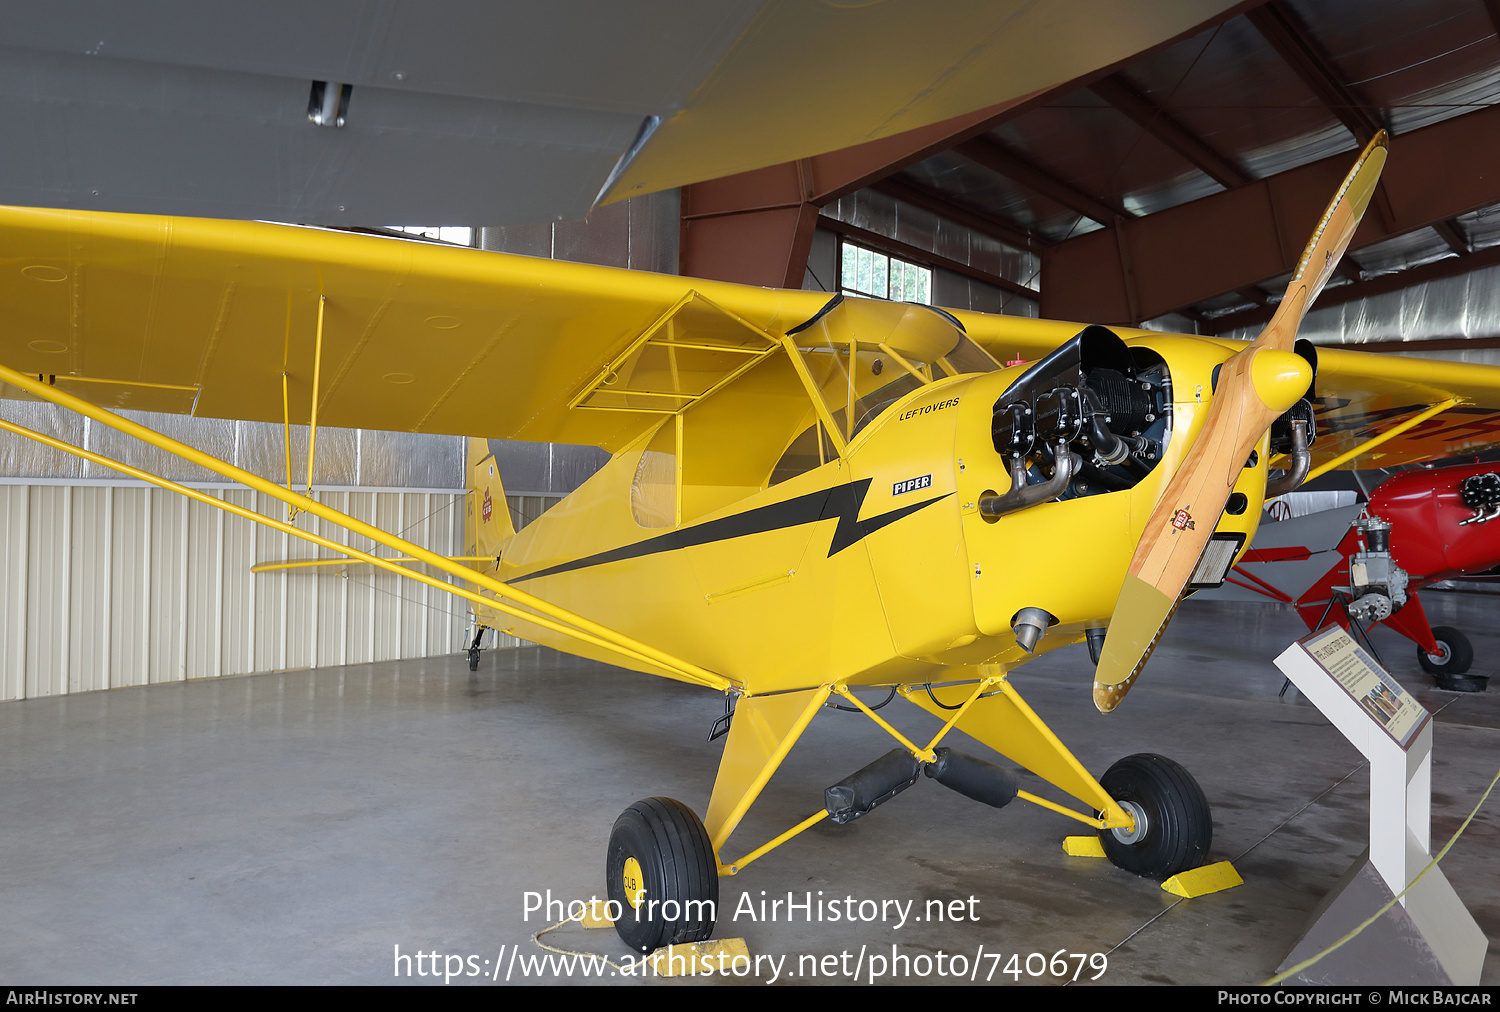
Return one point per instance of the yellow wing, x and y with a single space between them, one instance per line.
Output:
204 316
1360 395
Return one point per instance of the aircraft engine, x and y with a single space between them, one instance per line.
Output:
1480 493
1089 418
1376 584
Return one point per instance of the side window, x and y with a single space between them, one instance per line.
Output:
653 493
802 456
873 405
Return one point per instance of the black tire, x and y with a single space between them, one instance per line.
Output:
1455 653
1178 828
473 658
679 875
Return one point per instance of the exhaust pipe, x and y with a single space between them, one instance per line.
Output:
1301 462
1030 625
1022 495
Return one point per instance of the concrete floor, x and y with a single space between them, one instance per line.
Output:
300 827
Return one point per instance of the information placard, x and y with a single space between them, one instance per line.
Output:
1389 705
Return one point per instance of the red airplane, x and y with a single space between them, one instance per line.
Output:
1418 528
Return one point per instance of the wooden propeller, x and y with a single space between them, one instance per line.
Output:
1253 388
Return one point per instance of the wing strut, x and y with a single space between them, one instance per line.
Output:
266 567
286 410
825 416
542 613
1388 434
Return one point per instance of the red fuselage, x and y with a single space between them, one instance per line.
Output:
1424 510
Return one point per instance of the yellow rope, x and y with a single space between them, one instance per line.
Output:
1379 913
537 938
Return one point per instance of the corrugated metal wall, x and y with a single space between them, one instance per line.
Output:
110 583
120 584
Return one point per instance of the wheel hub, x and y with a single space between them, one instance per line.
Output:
1142 826
1443 653
634 882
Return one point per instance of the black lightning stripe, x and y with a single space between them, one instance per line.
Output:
842 502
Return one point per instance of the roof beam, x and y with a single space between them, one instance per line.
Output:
1492 7
756 227
841 172
1216 244
992 156
1449 231
1281 29
1155 120
1284 31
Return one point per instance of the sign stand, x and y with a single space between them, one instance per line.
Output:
1428 937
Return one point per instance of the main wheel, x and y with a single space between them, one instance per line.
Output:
1454 656
662 873
1173 829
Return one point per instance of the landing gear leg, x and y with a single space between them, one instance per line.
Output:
1449 665
474 648
1442 651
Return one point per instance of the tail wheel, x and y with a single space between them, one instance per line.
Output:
1173 828
661 871
1455 653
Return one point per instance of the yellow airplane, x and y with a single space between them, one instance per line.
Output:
806 496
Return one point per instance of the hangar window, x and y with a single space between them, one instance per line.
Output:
865 272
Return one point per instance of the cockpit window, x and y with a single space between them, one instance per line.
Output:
811 449
872 405
966 357
860 356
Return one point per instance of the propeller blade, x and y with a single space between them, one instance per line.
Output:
1329 241
1254 387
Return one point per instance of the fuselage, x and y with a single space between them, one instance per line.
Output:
1428 538
874 568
